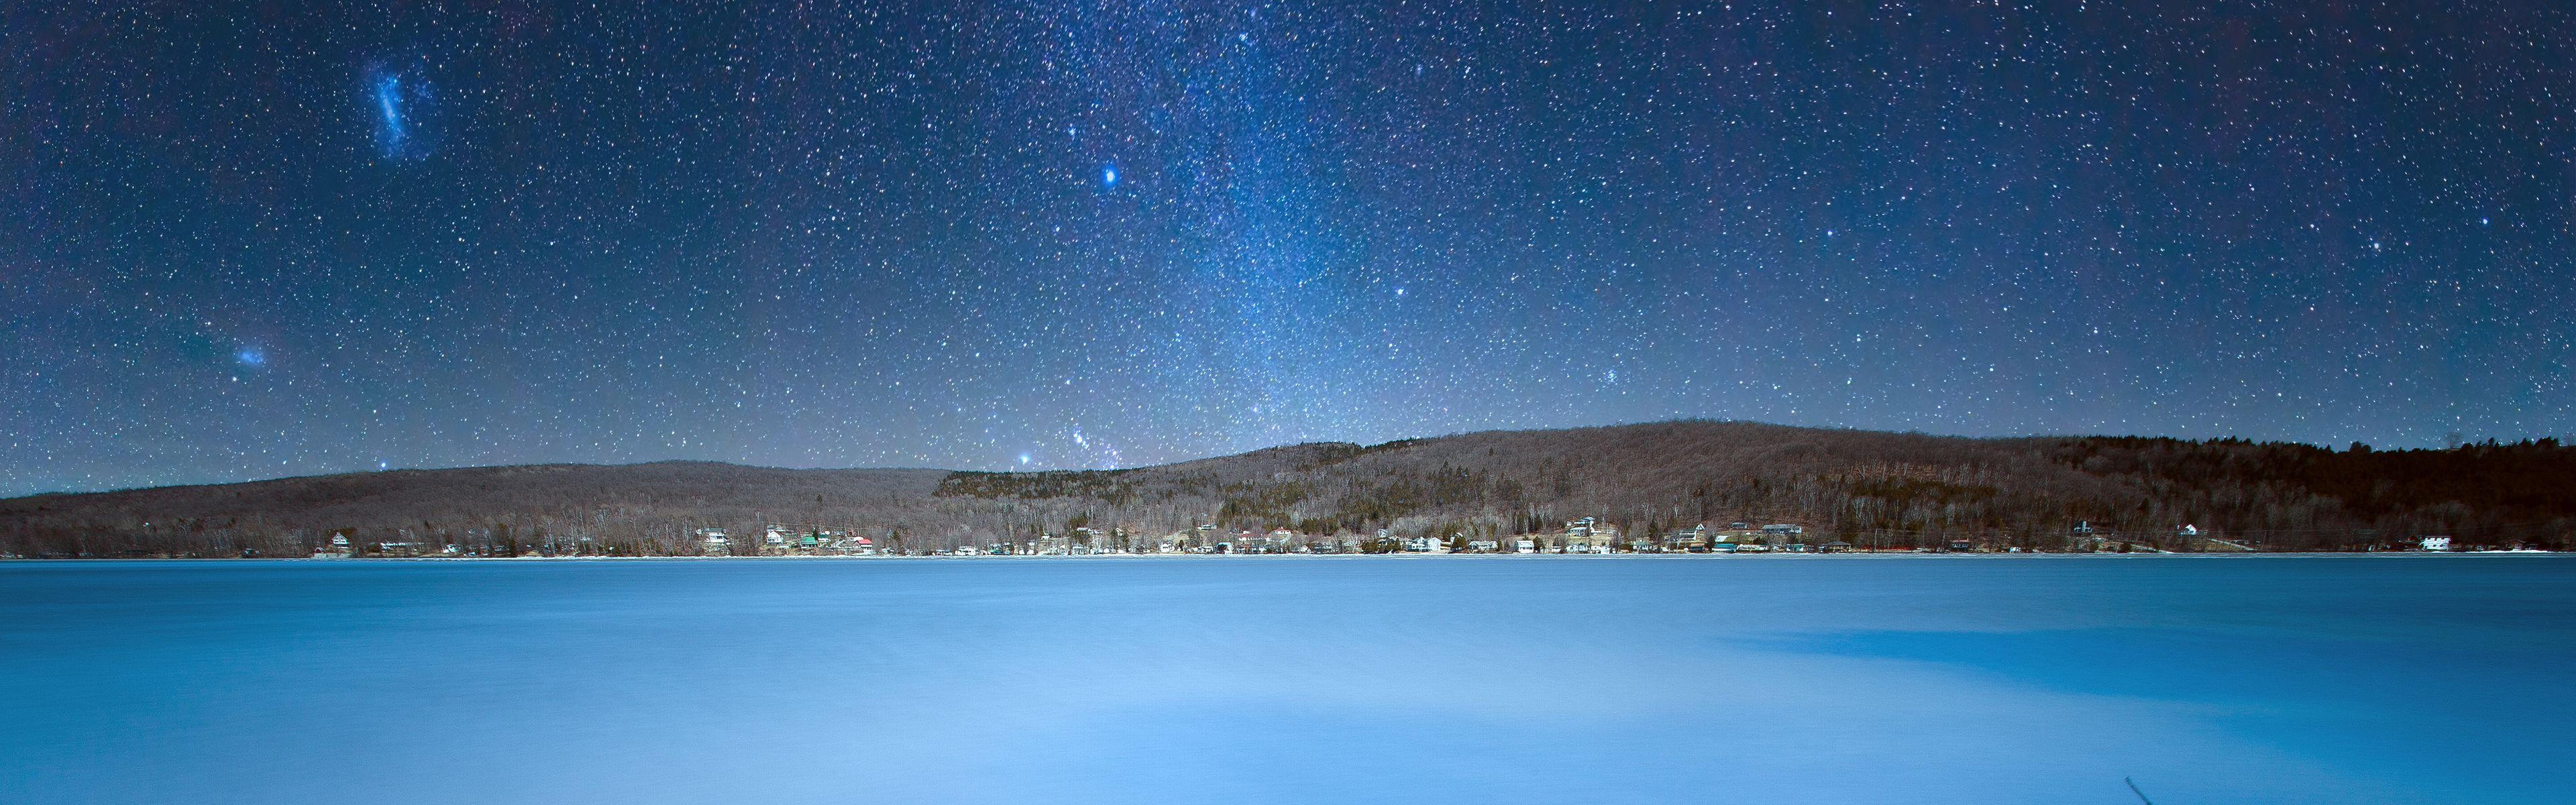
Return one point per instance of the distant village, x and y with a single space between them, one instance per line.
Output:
1583 536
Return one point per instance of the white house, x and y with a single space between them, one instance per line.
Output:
2437 543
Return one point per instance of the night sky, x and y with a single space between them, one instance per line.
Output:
248 240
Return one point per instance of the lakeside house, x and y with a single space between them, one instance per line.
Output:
337 549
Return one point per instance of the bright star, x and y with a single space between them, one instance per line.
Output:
1109 176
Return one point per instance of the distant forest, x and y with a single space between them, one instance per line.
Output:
1868 488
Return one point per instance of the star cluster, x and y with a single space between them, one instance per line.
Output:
246 242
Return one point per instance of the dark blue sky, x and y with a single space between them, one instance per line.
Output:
262 239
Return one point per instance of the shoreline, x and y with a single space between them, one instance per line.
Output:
1296 556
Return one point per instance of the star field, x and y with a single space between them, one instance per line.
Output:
245 240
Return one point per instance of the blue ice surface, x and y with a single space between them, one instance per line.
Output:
1281 679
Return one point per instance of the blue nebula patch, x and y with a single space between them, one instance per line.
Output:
399 104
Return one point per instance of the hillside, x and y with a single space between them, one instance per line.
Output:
1874 488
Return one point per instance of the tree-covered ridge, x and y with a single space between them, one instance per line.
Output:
1863 487
1097 484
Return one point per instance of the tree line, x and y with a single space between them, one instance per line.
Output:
1858 486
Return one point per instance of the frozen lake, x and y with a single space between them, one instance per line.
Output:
2365 679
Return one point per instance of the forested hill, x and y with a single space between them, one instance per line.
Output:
1874 488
